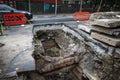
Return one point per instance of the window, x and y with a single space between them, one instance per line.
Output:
5 7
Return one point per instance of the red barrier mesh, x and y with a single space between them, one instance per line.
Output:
14 19
81 15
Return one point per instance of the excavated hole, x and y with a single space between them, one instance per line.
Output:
56 45
57 55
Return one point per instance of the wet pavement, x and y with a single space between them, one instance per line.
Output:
16 45
17 49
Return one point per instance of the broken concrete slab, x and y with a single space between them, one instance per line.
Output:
86 28
89 28
104 15
108 23
114 32
106 39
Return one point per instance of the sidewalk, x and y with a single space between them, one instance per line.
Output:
52 16
16 49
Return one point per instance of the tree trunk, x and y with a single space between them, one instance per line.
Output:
81 5
55 7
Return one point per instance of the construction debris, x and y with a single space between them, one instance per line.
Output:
90 28
108 23
104 15
86 52
56 53
103 30
9 76
72 50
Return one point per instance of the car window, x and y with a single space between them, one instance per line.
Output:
5 7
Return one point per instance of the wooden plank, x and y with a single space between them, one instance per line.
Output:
106 39
108 23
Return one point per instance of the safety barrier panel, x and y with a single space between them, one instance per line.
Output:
14 19
81 15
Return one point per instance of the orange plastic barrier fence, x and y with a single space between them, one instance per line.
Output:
14 19
81 15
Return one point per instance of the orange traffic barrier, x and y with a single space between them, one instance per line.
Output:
14 19
81 16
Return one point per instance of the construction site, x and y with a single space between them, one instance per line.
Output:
86 50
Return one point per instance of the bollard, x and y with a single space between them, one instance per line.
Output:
1 29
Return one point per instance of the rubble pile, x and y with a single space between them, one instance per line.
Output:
104 32
90 51
9 76
56 53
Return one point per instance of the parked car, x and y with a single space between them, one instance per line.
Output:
7 9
